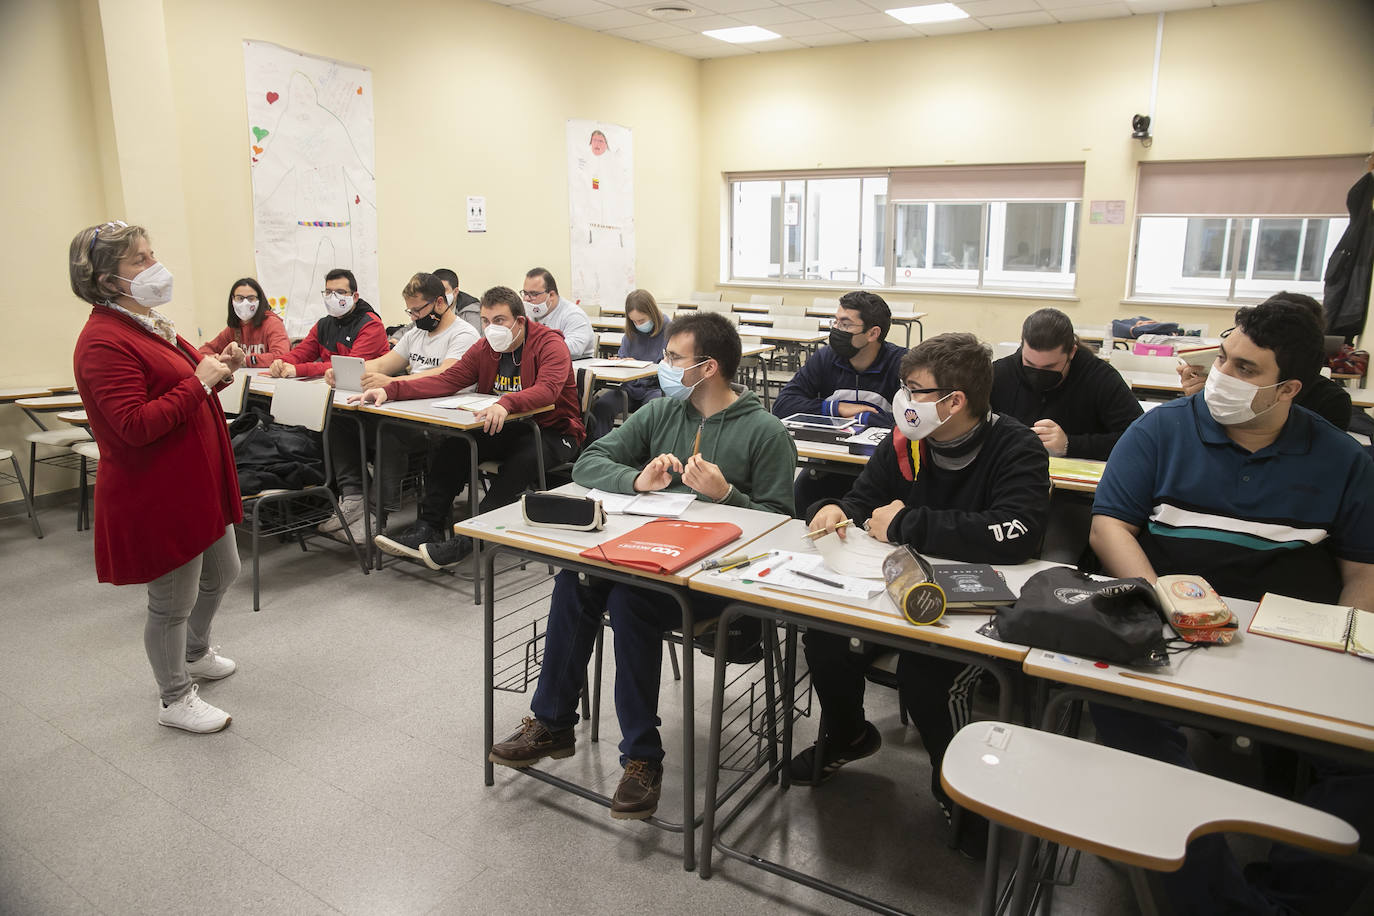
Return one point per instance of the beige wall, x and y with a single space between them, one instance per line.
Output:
1280 78
471 98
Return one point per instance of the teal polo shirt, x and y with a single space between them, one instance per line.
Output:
1276 520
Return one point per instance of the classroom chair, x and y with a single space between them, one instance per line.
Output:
297 513
699 296
89 453
591 309
233 396
18 477
1112 804
825 302
760 299
58 440
720 308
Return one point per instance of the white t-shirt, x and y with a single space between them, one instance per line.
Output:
424 352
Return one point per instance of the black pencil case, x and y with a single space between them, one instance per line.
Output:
553 510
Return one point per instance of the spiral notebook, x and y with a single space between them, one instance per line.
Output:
1327 626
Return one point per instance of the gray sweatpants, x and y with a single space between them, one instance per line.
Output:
181 606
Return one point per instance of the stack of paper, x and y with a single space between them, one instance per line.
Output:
655 505
468 402
858 554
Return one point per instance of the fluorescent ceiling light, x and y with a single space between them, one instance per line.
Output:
931 12
741 35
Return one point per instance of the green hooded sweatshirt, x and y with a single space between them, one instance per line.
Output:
749 445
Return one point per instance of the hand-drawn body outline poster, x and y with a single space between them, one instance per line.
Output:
313 161
601 211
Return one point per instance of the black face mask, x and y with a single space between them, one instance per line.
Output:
842 342
429 322
1040 380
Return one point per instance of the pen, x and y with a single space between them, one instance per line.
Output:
745 562
770 568
823 581
815 534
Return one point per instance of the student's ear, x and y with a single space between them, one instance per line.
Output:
1289 389
957 402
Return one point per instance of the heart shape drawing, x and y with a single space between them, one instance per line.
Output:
272 97
255 158
357 199
258 150
259 133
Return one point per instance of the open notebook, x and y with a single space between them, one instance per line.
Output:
655 505
1328 626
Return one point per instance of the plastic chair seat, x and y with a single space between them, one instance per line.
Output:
58 438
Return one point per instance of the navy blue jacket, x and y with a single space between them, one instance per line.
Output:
826 381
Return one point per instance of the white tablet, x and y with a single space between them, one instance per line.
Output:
348 372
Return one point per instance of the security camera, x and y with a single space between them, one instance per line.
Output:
1140 128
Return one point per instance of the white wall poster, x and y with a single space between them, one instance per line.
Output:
601 209
312 156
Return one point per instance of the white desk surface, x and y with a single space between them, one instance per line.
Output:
898 315
14 394
613 339
422 410
50 402
1153 381
828 451
1270 682
616 373
261 383
507 526
956 629
609 323
74 417
784 335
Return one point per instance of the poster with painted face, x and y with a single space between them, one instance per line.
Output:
310 151
601 211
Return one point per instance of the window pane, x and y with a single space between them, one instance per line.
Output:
1314 252
1204 250
957 227
1034 237
793 195
756 217
832 230
1276 255
911 238
873 232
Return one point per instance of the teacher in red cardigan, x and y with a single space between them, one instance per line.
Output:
167 496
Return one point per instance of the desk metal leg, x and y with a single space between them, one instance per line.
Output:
488 663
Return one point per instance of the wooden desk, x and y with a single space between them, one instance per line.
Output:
615 374
609 323
899 316
783 335
504 531
14 394
954 637
1153 381
829 453
74 417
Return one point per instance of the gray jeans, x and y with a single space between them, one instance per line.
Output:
181 606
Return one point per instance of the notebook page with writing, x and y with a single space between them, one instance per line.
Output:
1307 622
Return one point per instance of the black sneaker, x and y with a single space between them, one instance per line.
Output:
442 554
637 795
407 543
802 767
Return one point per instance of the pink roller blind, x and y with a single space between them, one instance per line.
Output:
1248 187
1048 181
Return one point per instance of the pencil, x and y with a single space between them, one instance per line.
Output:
696 445
745 562
823 581
820 531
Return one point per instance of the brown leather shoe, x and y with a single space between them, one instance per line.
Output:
531 743
637 795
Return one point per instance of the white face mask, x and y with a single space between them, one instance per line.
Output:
338 304
538 310
245 308
151 287
1231 400
500 337
916 419
449 297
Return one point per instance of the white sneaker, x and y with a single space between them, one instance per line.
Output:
193 714
351 507
211 666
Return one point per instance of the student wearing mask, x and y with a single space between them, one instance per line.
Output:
955 480
467 307
351 328
1075 402
645 338
528 366
852 376
706 436
436 340
552 311
1240 485
252 325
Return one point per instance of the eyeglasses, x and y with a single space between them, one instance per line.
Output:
416 313
916 391
847 326
530 296
112 224
246 300
673 359
335 293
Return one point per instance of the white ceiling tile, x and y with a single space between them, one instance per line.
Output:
1017 20
719 6
888 33
1232 2
770 16
648 32
804 28
546 14
830 38
952 27
685 43
624 4
866 21
725 49
706 21
1166 6
562 9
611 19
510 2
1096 11
1053 6
981 8
826 8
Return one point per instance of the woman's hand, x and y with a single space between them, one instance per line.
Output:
211 371
233 356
